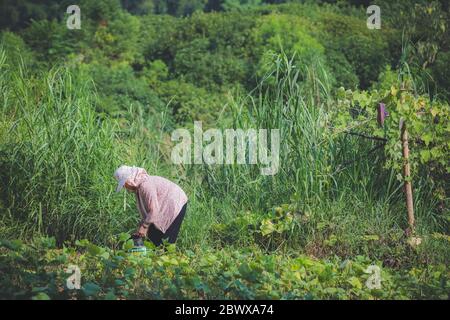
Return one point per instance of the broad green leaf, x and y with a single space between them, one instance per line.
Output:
91 289
355 283
41 296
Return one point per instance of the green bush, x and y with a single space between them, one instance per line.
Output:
285 34
16 51
117 39
51 41
119 88
440 75
188 102
197 63
365 50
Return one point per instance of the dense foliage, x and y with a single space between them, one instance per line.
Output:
75 104
201 274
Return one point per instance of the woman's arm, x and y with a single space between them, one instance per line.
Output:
142 230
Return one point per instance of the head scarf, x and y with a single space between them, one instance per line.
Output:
126 173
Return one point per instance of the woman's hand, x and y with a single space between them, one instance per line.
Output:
142 231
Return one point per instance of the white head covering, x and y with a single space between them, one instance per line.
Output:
123 173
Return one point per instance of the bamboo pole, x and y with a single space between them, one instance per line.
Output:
407 177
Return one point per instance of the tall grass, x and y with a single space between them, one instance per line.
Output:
56 157
344 189
295 101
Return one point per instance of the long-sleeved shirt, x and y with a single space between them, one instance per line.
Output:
158 200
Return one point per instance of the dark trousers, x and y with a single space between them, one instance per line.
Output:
156 236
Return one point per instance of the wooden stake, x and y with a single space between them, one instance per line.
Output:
407 177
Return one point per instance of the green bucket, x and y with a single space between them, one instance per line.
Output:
140 249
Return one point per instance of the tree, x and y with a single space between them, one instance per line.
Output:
138 7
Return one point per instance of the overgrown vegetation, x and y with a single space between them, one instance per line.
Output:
76 104
201 274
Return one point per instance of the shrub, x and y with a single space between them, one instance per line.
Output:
366 51
288 35
440 75
198 63
426 119
188 102
16 51
119 88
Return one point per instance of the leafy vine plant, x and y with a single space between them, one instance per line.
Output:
427 121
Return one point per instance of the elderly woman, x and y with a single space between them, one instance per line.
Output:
161 203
